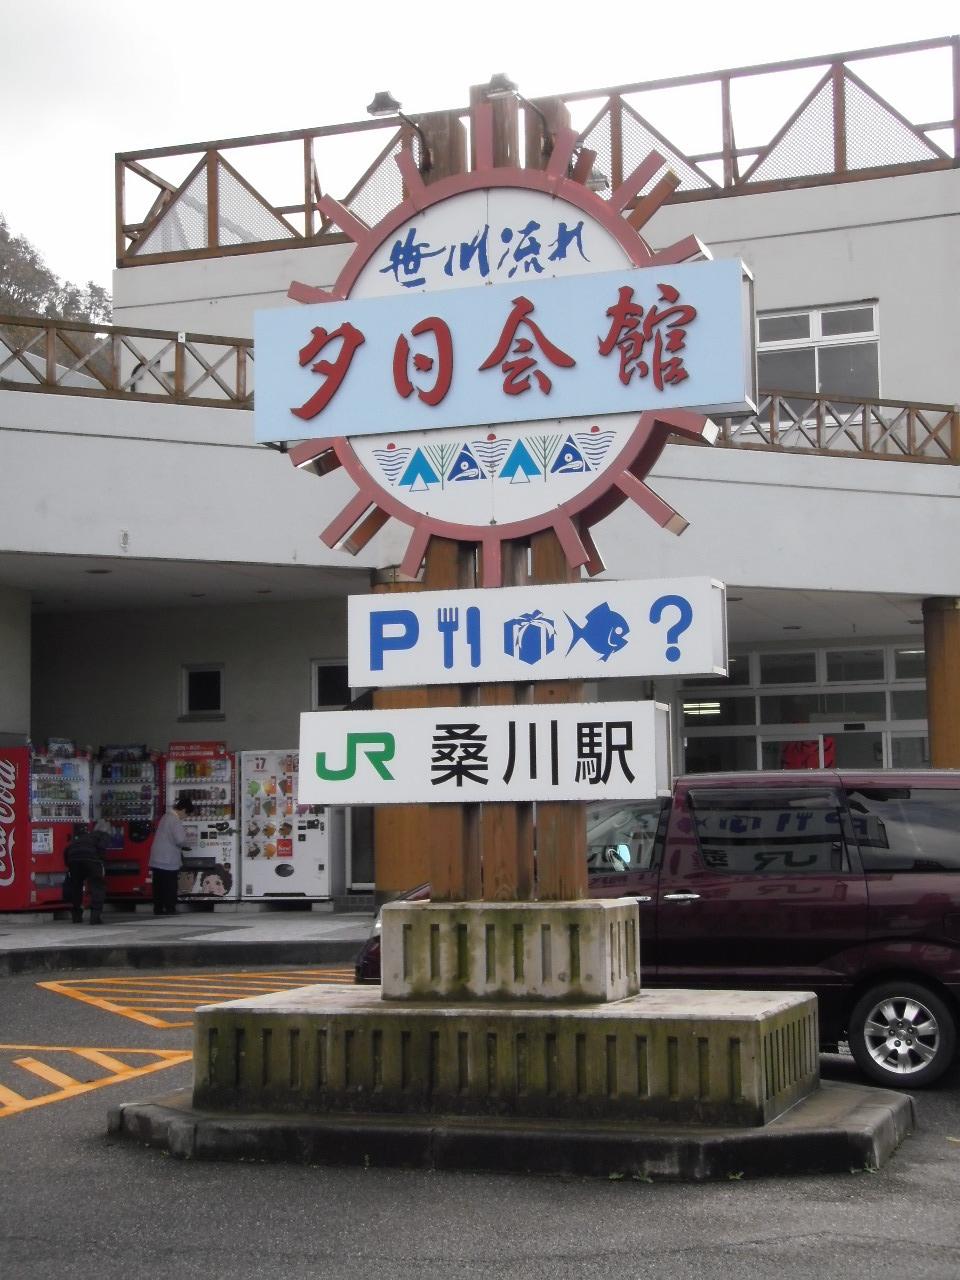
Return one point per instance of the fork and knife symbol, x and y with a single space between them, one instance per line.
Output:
448 623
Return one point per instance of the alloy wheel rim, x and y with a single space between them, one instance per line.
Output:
902 1035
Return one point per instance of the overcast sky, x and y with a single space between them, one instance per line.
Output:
79 82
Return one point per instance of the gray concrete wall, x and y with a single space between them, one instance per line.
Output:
14 665
115 677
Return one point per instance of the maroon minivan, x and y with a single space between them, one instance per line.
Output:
841 882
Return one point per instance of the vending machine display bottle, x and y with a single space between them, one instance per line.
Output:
43 793
287 850
126 796
203 772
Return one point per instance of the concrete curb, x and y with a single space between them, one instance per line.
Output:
176 955
841 1129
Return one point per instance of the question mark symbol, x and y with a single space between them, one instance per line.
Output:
676 629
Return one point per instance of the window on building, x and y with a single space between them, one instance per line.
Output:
201 691
909 664
821 350
712 713
330 687
788 668
850 707
848 665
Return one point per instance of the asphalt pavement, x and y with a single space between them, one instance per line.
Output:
231 933
76 1201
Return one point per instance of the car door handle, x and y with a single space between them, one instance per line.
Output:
643 897
681 897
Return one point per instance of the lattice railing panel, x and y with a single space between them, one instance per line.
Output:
790 421
119 362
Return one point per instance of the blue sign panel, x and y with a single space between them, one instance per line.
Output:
579 346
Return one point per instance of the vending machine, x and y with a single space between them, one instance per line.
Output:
203 772
286 850
42 794
126 796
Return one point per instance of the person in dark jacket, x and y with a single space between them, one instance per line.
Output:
84 859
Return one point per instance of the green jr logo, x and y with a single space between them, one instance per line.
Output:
377 747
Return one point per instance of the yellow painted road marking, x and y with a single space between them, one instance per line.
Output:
105 1060
46 1072
146 1000
11 1102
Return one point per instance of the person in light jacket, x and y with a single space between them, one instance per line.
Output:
169 844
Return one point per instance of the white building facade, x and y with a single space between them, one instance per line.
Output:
162 577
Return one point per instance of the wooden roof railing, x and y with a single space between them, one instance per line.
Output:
823 121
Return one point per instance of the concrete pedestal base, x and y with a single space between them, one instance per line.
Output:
704 1057
582 951
841 1128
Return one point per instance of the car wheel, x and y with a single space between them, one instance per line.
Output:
902 1035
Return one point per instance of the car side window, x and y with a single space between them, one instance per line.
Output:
773 831
623 837
906 828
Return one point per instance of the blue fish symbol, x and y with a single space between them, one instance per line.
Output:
604 630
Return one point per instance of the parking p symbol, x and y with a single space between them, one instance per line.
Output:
391 629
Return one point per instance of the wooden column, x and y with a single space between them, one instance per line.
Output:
506 830
562 824
941 635
505 123
414 843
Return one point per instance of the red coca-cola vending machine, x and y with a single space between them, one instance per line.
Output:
42 795
127 795
204 773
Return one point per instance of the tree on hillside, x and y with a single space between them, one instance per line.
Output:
29 288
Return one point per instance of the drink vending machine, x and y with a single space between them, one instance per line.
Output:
42 794
287 850
204 773
126 796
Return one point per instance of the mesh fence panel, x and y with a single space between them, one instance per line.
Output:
381 192
639 140
807 146
243 219
598 140
875 136
184 225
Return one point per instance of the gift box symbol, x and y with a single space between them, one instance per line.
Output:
529 636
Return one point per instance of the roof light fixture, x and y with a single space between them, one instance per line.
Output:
385 104
501 86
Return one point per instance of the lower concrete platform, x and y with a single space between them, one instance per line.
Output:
839 1128
682 1057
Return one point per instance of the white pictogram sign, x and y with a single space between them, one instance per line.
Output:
436 755
576 631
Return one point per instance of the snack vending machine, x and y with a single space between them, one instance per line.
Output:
126 796
287 850
42 794
203 773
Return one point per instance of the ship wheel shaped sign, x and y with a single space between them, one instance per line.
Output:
487 274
